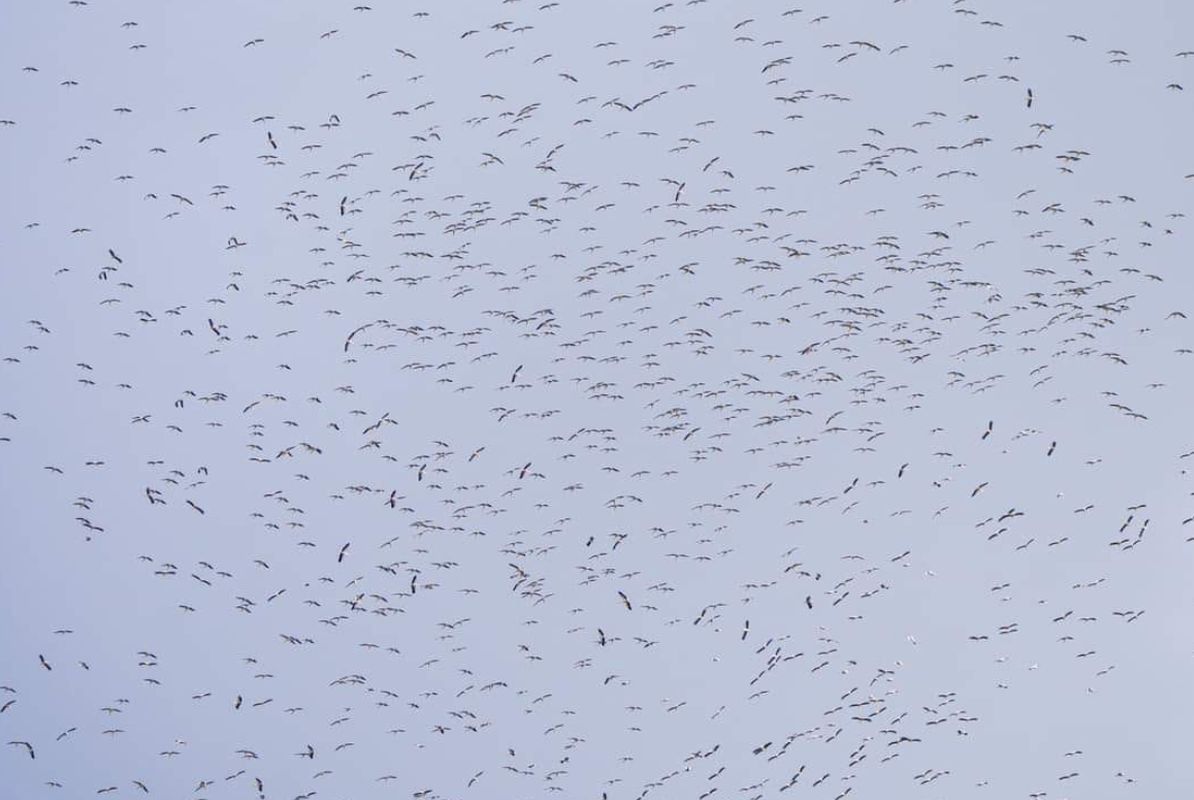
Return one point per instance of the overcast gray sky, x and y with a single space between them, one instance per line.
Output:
508 399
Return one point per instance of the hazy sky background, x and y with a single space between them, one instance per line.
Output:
835 320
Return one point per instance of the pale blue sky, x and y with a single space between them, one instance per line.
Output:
701 374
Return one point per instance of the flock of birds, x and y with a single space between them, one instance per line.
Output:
507 399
